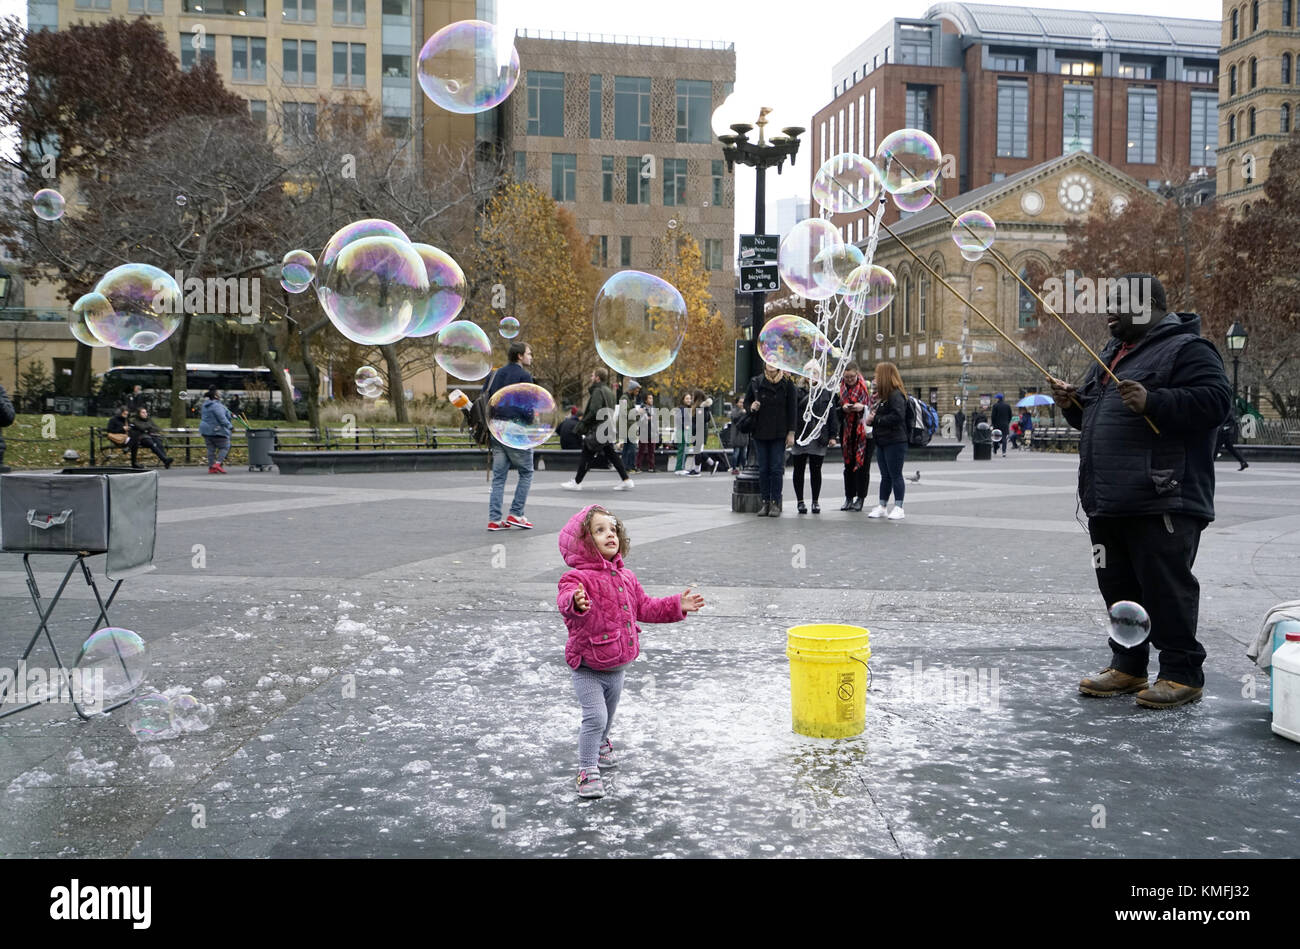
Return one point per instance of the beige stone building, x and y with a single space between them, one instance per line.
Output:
617 129
1259 93
1031 210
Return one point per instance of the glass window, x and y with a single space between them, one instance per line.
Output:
1254 71
257 109
349 64
1254 15
350 12
1142 125
299 64
717 170
625 252
607 178
1077 129
1235 31
196 46
545 103
920 304
638 182
564 177
140 6
713 253
1135 70
254 9
914 46
248 58
593 108
1286 69
396 8
395 65
299 122
1286 12
1286 118
396 126
1004 62
918 109
1204 129
674 182
997 176
1232 128
632 108
1027 305
907 307
521 166
600 252
299 11
1077 67
1232 80
1250 117
1198 74
694 110
1013 118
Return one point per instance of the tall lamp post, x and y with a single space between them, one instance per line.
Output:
760 155
1236 345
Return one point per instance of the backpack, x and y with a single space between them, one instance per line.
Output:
476 416
922 422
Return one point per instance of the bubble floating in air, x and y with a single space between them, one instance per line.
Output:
909 160
639 322
508 327
869 289
846 182
464 351
522 415
793 344
374 290
297 270
145 307
798 259
48 204
116 654
1130 624
469 66
447 291
88 303
973 232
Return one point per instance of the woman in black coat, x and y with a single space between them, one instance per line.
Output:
772 401
888 419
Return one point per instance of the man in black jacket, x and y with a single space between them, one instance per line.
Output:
1000 417
772 399
599 429
1148 496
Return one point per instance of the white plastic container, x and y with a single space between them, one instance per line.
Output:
1286 688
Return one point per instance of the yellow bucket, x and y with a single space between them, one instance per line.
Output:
828 679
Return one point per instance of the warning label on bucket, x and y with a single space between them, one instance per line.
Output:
845 692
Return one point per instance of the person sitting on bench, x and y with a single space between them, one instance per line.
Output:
145 432
118 427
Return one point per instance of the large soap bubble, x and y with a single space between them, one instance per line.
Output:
909 160
522 415
913 201
297 270
118 655
793 344
367 227
833 265
374 289
973 232
798 259
846 182
639 323
869 289
446 291
88 303
464 351
469 66
48 204
149 717
1130 625
145 309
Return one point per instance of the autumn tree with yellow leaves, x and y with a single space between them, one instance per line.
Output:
705 359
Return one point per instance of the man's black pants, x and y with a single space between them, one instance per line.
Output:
1148 560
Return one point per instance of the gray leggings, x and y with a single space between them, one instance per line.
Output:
218 447
598 692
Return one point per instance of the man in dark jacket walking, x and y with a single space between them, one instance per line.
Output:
1000 417
505 457
772 399
599 429
1148 496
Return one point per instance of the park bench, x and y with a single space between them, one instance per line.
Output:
187 441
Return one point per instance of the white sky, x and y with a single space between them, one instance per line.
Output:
785 49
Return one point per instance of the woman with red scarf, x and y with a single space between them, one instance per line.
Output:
855 403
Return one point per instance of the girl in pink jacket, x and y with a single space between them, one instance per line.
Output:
601 602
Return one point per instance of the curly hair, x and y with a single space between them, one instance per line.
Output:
624 545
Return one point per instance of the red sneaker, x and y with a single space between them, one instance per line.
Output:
212 469
498 526
220 468
519 521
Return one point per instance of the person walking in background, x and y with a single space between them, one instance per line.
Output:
570 440
647 433
959 419
856 442
216 427
771 398
145 432
739 439
888 419
1229 432
809 452
505 457
627 406
7 417
1000 417
701 419
599 423
684 421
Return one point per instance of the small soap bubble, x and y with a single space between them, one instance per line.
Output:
469 66
522 415
92 302
119 655
367 376
793 344
639 323
972 255
1130 625
913 201
909 160
191 715
997 434
973 232
846 182
145 307
446 292
869 289
797 259
149 718
880 337
181 201
508 327
464 351
48 204
297 270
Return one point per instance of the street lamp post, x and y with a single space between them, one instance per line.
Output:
761 155
1237 337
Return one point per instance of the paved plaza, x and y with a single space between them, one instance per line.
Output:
389 679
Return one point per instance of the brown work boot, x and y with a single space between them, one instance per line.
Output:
1112 682
1167 693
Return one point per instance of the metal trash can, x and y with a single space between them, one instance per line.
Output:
982 442
261 442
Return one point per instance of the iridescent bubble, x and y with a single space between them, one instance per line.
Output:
793 343
508 327
973 232
913 201
370 391
869 289
846 182
181 201
909 160
997 435
1130 625
367 376
374 290
191 715
833 265
91 302
446 291
464 351
522 415
116 654
468 67
880 337
639 322
145 307
972 255
48 204
367 227
799 255
149 718
297 270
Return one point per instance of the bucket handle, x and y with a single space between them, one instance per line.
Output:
867 665
46 521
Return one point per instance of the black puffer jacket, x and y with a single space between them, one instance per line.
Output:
890 424
1125 468
778 406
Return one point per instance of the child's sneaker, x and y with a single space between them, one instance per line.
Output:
607 758
590 785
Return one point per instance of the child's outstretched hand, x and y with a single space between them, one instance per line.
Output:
691 601
580 601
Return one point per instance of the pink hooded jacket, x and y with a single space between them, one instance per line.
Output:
607 635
